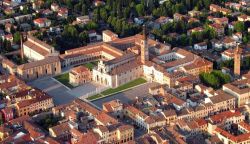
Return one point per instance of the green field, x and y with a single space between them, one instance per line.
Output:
64 79
91 65
95 97
118 89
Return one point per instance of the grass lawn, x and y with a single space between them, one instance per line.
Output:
94 97
91 65
64 79
120 88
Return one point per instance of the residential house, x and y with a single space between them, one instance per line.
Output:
218 28
228 42
161 21
139 20
194 13
8 114
227 54
63 12
54 7
200 46
108 36
222 21
42 22
243 18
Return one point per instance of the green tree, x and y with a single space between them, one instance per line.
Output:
209 33
223 78
91 25
69 4
215 79
245 39
239 26
140 9
209 80
7 46
84 10
25 10
103 14
228 64
84 38
17 37
183 40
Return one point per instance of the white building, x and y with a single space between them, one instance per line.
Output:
42 22
200 46
35 50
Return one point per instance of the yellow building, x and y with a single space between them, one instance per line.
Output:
240 90
9 66
108 36
38 101
198 66
79 75
119 133
142 120
4 132
47 67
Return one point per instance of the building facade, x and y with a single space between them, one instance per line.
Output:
79 75
47 67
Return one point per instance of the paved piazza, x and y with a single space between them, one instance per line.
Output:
126 96
60 93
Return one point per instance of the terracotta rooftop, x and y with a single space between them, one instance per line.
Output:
126 67
37 99
45 61
89 138
9 63
216 26
229 52
36 48
111 105
19 120
224 115
60 129
237 139
40 20
221 97
228 40
86 107
239 87
135 111
34 131
198 62
79 69
105 119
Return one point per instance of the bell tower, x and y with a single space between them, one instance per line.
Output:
237 60
144 46
21 50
